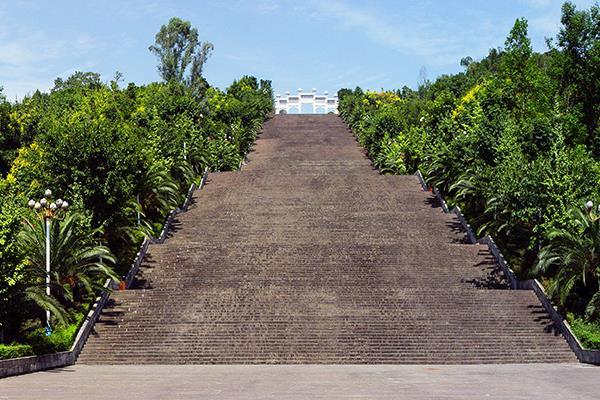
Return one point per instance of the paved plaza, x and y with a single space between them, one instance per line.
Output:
281 382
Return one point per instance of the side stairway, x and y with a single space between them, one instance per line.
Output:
309 255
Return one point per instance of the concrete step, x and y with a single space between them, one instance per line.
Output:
309 255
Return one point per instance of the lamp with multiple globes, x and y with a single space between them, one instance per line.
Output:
48 209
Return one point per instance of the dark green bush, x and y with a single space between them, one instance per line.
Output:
15 350
61 338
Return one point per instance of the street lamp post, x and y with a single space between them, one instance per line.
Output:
48 210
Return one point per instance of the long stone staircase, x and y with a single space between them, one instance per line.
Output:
309 255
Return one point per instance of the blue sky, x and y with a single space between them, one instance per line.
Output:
325 44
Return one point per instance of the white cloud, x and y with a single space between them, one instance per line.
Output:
68 72
25 60
546 18
436 42
139 9
15 54
30 59
20 87
540 3
267 6
546 24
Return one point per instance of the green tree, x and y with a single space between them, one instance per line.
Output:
579 66
177 48
11 277
100 145
10 139
158 192
518 47
78 264
78 81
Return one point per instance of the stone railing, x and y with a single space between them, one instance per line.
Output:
583 355
16 366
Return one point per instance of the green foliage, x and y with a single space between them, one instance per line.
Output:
158 193
517 57
78 81
9 135
577 62
115 154
235 120
37 342
61 338
177 47
11 274
15 350
94 161
79 265
588 333
572 258
387 126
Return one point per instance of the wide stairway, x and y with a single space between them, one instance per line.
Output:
309 255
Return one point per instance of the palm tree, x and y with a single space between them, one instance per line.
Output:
158 191
79 265
183 173
198 155
438 170
575 257
142 216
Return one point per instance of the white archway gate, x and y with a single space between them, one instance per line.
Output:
306 103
